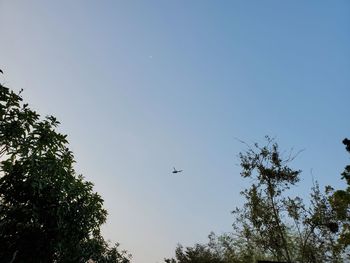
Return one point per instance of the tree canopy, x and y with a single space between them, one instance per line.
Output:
340 201
48 213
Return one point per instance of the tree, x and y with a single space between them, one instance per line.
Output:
48 213
197 254
277 223
340 201
226 248
261 214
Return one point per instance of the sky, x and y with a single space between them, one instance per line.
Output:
141 87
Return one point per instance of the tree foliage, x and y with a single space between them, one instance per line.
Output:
200 253
278 223
227 248
48 213
340 201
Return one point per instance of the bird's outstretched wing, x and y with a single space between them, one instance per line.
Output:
1 71
176 171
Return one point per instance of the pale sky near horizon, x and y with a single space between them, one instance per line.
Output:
142 86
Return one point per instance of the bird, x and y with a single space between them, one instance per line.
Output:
1 71
176 171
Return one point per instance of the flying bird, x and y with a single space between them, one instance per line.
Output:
1 71
176 171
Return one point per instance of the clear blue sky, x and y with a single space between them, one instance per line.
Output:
142 86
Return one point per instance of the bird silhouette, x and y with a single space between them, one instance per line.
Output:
176 171
1 71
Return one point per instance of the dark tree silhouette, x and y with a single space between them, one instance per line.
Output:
197 254
340 201
48 213
346 142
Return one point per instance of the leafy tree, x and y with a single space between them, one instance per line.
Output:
261 217
340 201
196 254
281 225
48 213
226 248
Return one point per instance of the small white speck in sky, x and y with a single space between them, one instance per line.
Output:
150 56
